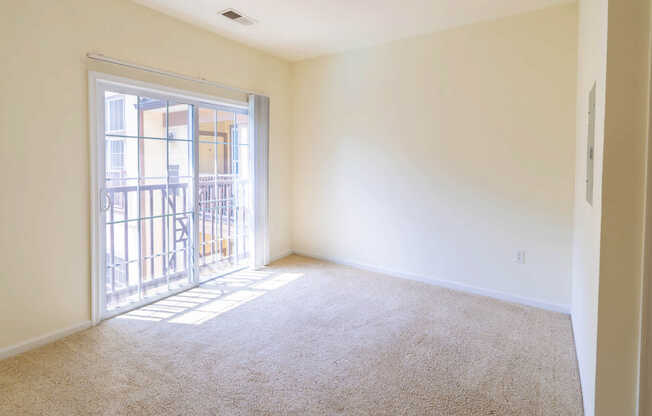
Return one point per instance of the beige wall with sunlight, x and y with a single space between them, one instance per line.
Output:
44 157
438 157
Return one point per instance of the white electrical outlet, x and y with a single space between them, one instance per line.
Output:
520 257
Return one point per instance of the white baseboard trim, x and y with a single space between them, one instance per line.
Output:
42 340
56 335
585 405
462 287
281 255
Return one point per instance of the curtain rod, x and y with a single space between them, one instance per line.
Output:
102 58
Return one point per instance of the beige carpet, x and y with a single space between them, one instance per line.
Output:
306 338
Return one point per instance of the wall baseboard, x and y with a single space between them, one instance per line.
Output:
39 341
281 255
62 333
507 297
585 405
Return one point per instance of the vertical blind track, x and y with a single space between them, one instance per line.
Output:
102 58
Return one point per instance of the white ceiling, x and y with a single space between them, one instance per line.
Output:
300 29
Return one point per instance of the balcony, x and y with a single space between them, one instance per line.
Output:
149 244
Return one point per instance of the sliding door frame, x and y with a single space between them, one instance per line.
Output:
97 83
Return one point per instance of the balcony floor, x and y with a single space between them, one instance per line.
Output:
306 337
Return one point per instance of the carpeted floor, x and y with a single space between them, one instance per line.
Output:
306 338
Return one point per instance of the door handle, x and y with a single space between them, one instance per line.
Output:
105 200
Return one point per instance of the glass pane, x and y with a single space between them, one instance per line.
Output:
152 233
207 124
244 166
180 279
121 158
206 224
155 287
180 240
111 258
245 231
154 158
153 120
180 196
180 159
152 197
207 192
243 128
207 159
122 263
121 199
224 165
225 126
154 257
120 115
180 121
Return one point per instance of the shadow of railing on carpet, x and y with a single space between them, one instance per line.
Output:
201 304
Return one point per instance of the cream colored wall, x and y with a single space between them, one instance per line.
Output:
592 65
44 154
441 156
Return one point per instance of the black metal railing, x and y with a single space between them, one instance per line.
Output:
158 219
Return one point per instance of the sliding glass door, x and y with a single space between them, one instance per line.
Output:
175 194
224 197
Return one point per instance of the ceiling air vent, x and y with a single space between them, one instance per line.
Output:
237 17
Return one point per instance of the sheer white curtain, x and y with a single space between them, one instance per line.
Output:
259 117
